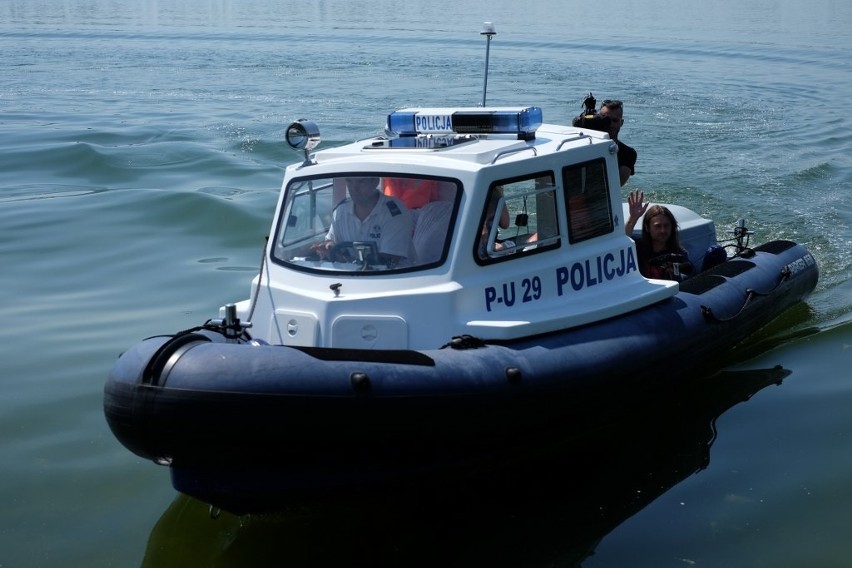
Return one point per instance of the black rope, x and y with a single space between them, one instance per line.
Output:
209 326
259 278
153 370
708 314
464 342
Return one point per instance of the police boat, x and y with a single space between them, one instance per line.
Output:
489 294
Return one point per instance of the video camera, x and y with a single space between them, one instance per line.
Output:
677 265
590 118
668 258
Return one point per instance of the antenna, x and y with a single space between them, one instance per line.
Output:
488 31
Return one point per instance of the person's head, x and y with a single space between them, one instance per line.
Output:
614 110
659 228
362 189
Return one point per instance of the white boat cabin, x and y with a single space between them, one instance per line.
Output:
484 222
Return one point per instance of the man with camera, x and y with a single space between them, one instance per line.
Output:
614 111
609 119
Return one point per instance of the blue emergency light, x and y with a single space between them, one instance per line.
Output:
518 121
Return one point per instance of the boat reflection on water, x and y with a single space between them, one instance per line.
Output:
552 506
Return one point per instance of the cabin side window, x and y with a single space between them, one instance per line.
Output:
587 197
365 223
519 218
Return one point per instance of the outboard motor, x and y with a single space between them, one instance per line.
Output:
741 236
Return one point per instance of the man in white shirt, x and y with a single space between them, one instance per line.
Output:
369 215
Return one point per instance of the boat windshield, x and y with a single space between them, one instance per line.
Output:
365 223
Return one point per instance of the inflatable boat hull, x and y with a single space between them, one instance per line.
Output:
246 427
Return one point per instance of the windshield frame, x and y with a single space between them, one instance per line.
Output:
312 205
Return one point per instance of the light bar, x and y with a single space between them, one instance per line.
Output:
519 121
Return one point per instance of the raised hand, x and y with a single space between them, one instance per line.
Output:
635 204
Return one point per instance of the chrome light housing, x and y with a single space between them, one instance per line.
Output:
303 135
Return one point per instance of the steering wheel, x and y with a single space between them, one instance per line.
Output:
356 252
